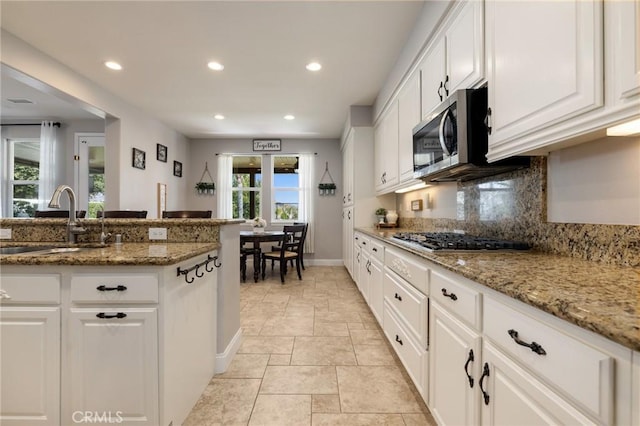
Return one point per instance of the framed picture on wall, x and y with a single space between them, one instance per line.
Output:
138 160
161 153
177 168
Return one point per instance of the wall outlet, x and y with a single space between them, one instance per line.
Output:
157 233
5 233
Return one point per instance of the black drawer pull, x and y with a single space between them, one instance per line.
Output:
105 288
466 366
397 296
452 296
107 316
485 373
398 339
533 345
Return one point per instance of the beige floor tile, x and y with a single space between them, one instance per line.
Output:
366 337
281 410
266 345
355 326
323 351
277 359
288 326
419 420
224 402
325 404
373 355
331 316
299 380
246 366
330 329
375 390
322 419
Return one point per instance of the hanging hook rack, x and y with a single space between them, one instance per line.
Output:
203 186
198 273
327 188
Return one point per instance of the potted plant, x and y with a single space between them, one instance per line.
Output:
380 214
205 187
327 188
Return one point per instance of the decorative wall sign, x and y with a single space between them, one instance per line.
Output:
138 160
266 144
416 205
161 153
177 168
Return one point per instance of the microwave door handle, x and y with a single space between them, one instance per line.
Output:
441 133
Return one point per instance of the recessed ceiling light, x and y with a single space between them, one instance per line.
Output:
113 65
219 117
289 117
216 66
314 66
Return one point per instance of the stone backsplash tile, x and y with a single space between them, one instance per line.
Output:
513 206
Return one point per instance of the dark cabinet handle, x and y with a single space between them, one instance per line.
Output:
368 265
105 288
398 297
349 215
107 316
452 296
485 373
487 120
440 91
533 345
398 339
446 89
470 359
375 249
344 199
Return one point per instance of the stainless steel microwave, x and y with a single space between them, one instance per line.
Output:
451 144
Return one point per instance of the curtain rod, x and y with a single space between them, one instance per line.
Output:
56 124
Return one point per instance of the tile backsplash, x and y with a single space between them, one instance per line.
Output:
513 206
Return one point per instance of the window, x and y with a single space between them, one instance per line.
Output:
246 183
24 170
286 188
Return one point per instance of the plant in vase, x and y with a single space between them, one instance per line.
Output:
380 214
258 224
205 187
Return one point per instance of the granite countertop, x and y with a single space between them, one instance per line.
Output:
598 297
112 254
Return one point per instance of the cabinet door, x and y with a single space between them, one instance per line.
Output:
30 373
386 149
514 397
347 239
432 76
544 65
365 268
465 48
113 364
623 46
454 353
347 170
357 253
376 289
408 118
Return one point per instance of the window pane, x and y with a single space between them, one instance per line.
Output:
26 160
245 204
286 180
286 203
96 180
25 200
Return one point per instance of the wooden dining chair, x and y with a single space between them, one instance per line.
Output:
304 237
290 250
122 214
187 214
80 214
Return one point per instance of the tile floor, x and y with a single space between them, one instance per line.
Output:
312 354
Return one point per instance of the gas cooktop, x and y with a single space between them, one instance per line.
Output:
451 241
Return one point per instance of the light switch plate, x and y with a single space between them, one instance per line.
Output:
5 233
157 233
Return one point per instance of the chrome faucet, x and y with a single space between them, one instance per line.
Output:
73 226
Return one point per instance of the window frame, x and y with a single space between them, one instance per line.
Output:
255 189
9 178
274 189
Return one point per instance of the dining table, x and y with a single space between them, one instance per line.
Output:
257 238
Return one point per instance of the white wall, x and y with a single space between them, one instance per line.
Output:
328 210
126 127
596 182
438 202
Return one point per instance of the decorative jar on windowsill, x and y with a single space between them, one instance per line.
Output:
392 217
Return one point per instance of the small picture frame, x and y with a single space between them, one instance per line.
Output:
138 159
416 205
161 153
177 168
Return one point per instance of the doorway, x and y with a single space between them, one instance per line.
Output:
89 171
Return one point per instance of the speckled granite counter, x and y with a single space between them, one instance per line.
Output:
598 297
124 254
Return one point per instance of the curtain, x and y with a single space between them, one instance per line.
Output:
225 172
306 211
48 163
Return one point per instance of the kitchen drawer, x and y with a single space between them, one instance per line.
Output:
408 267
580 371
114 288
376 250
364 242
410 305
412 356
30 289
457 298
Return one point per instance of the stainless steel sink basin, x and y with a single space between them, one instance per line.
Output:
42 250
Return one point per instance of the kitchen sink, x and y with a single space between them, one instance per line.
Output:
43 250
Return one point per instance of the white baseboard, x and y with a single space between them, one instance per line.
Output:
224 359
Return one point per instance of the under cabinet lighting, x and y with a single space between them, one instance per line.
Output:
113 65
412 188
625 129
216 66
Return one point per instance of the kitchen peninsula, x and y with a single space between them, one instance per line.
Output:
131 332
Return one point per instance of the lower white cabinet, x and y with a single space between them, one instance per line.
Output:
454 369
376 288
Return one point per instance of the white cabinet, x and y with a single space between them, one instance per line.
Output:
622 49
357 255
386 149
544 65
30 350
455 59
376 289
408 118
347 170
454 367
364 272
347 239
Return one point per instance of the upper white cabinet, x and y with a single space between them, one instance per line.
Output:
455 60
408 118
544 66
622 47
347 170
386 149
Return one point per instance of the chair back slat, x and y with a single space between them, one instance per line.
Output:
186 214
123 214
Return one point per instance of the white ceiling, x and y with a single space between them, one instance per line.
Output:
164 47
